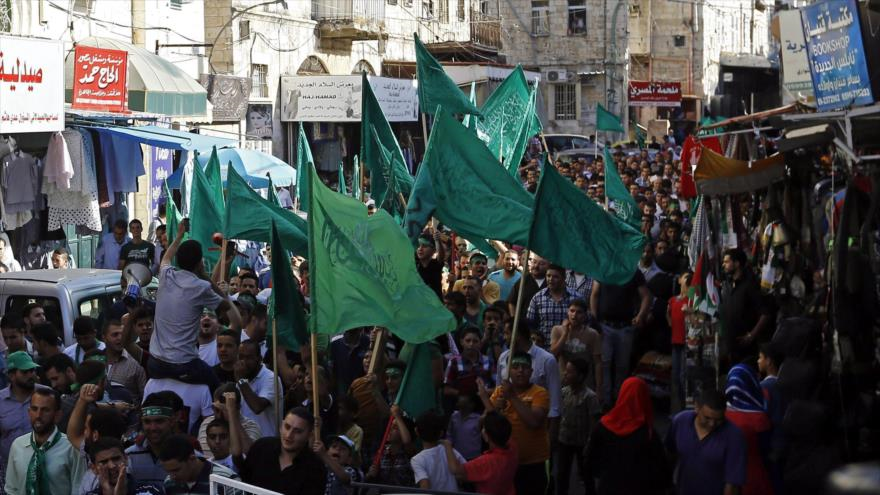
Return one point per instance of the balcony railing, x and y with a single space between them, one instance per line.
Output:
350 19
485 29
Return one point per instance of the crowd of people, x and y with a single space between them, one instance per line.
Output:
160 395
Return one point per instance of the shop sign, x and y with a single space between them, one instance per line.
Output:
31 85
836 54
654 94
229 96
99 79
338 98
795 65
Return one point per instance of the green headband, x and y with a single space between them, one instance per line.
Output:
520 360
393 371
160 411
101 358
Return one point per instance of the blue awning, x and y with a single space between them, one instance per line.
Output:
253 166
167 138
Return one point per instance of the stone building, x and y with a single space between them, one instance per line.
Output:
579 47
719 50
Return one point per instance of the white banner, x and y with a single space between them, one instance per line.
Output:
31 85
795 64
338 98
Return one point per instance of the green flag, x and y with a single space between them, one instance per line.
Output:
416 393
380 152
356 180
286 314
215 181
362 273
249 217
304 162
272 194
607 121
571 230
436 88
206 210
620 199
341 186
509 120
464 186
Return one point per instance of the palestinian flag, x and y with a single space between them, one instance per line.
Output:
703 294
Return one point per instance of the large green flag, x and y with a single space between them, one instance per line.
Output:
509 120
620 199
206 210
436 88
380 152
362 273
304 162
463 185
249 217
571 230
215 181
607 121
416 393
286 314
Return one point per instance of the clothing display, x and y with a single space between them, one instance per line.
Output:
78 204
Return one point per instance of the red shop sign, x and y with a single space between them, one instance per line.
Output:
99 79
654 94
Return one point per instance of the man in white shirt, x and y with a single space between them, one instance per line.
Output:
257 386
86 339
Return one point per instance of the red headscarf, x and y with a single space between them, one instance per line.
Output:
632 410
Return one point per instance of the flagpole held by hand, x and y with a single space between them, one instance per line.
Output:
316 406
516 315
275 370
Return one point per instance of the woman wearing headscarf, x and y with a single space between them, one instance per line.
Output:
746 409
6 255
624 453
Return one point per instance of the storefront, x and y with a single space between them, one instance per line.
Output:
329 107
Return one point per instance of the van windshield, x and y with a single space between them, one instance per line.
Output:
15 304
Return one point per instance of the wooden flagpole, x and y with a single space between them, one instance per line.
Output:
316 406
519 301
275 369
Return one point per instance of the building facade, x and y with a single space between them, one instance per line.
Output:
718 50
579 47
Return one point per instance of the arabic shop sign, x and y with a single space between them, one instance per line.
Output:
31 85
338 98
654 94
836 54
796 77
99 79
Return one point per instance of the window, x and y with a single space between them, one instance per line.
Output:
577 17
443 10
259 80
16 303
244 30
565 101
428 9
461 14
541 17
678 40
175 4
83 6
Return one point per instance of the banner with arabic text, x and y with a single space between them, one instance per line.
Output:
99 79
654 94
31 85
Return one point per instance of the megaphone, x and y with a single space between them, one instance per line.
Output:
136 276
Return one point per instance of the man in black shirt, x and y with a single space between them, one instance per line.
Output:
620 310
285 464
227 354
137 250
743 311
431 268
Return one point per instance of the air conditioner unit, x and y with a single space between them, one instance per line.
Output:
556 75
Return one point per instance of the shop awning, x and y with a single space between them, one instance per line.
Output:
167 138
254 166
719 175
155 85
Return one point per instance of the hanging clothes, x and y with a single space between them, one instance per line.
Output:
58 169
19 178
77 205
123 163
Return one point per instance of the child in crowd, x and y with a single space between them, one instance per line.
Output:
676 312
462 370
338 459
580 411
218 441
346 412
393 466
429 466
464 428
